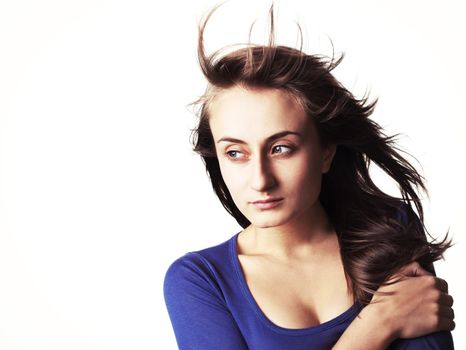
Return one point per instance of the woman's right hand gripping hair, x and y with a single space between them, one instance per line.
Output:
416 303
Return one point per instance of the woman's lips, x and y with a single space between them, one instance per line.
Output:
268 203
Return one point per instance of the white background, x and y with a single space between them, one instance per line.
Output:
99 188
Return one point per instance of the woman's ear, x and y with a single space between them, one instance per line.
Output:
328 154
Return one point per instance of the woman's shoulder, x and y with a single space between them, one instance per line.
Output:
205 263
204 255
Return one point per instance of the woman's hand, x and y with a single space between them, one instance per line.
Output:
416 305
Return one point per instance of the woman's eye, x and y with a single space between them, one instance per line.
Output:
233 154
281 149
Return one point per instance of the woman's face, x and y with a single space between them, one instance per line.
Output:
268 149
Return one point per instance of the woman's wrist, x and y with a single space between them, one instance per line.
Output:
381 322
372 329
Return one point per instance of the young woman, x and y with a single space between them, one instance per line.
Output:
325 260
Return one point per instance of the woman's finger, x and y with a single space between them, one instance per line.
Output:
446 312
441 284
446 324
446 300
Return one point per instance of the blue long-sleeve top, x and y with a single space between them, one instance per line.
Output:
212 308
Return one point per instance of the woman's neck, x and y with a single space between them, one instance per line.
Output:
307 236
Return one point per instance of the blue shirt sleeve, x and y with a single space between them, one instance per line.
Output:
434 341
196 308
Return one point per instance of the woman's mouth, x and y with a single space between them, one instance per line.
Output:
267 203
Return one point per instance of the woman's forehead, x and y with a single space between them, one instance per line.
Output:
256 111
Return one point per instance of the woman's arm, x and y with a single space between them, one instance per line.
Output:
419 305
198 315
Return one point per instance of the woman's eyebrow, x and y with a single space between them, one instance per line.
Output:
269 139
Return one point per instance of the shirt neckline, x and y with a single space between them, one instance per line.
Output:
350 313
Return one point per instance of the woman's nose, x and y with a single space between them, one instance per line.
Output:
261 174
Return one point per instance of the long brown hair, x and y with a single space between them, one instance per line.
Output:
378 233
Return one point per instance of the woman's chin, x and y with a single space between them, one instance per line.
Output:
264 222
